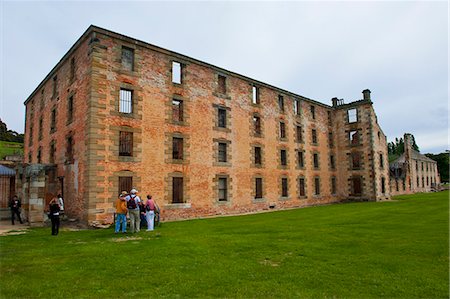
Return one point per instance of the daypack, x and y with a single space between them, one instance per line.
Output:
131 204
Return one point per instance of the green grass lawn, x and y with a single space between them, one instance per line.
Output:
358 250
10 148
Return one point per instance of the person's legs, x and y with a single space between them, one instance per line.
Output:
118 221
57 225
138 221
123 220
52 218
152 219
12 217
18 216
132 220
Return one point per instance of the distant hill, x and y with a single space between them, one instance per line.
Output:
9 135
10 148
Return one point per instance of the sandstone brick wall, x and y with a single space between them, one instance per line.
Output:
92 180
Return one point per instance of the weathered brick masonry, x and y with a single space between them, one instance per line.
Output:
215 143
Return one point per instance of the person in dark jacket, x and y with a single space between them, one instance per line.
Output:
54 215
15 205
142 214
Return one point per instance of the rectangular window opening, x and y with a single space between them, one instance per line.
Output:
177 190
222 84
223 189
352 115
283 157
176 72
126 101
284 187
222 155
281 103
177 110
258 188
316 186
258 160
255 94
125 143
301 187
128 59
125 184
177 148
222 117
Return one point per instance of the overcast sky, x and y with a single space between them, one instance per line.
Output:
321 50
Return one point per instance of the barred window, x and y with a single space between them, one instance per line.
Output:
222 117
223 189
299 134
177 110
316 186
222 155
300 159
177 148
125 143
126 101
128 59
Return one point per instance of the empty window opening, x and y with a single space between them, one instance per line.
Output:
332 162
222 83
255 95
69 149
333 185
70 109
125 143
177 110
39 155
258 188
55 86
356 186
223 189
177 190
316 160
354 137
314 136
329 118
52 153
381 161
222 155
283 157
281 103
40 128
352 115
316 186
383 185
258 158
176 72
301 187
300 159
126 101
53 120
257 125
282 130
299 133
222 118
356 160
284 187
297 107
127 59
72 69
313 111
177 148
330 139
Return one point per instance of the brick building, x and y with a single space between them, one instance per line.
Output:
413 172
116 113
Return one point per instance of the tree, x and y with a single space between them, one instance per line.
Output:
443 163
9 135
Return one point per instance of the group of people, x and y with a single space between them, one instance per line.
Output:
138 212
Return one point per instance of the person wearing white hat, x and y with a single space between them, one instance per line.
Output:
133 201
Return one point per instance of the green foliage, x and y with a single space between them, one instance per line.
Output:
9 135
10 148
395 249
398 147
443 164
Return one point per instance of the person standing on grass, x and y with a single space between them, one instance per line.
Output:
61 205
15 205
150 210
121 213
133 210
54 215
142 215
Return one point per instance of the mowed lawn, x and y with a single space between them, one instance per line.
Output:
358 250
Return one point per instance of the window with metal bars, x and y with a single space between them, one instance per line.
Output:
222 155
301 187
316 186
282 130
126 101
300 159
298 134
314 136
223 189
125 143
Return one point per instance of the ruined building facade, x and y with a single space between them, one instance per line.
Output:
117 113
413 172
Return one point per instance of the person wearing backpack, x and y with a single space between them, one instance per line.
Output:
150 212
133 210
